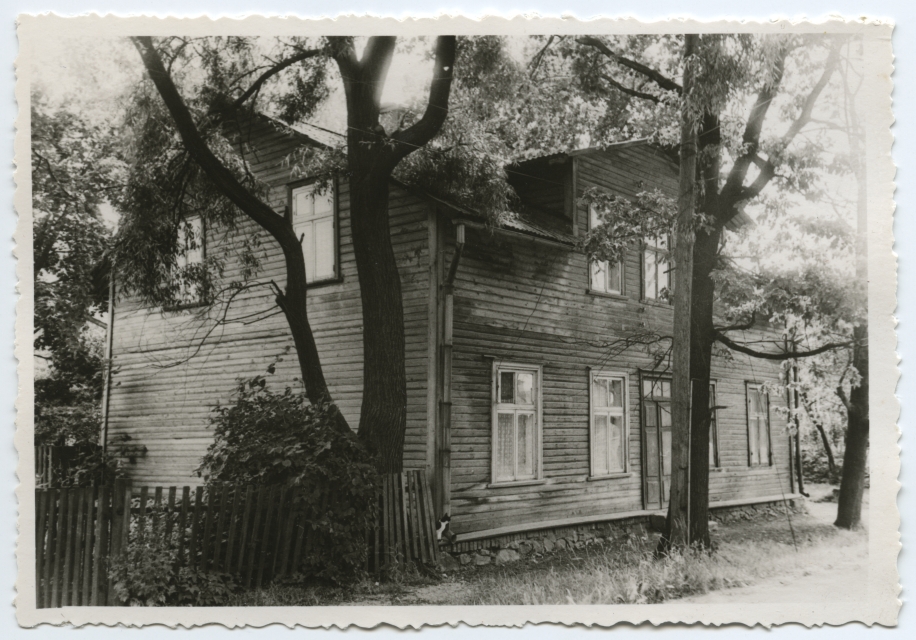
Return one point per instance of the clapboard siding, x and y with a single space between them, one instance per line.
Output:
172 367
521 301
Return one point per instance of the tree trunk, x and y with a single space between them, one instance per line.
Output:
294 303
705 252
383 420
678 501
855 458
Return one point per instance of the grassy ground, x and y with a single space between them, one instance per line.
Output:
745 553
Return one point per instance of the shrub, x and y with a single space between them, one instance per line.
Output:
268 438
150 574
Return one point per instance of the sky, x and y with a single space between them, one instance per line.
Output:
92 76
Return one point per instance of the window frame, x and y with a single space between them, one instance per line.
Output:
625 412
202 299
757 386
621 267
496 406
646 249
714 427
291 189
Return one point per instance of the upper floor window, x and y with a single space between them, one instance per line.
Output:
656 283
605 277
516 422
608 423
758 425
192 252
315 222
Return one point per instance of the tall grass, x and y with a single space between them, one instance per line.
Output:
631 574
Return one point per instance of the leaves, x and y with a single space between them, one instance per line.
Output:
268 438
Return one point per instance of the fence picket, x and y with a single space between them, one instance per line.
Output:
76 579
244 538
234 517
141 528
170 514
220 527
157 507
206 543
263 556
100 565
41 513
253 544
195 526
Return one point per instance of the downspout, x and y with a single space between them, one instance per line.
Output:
445 396
106 389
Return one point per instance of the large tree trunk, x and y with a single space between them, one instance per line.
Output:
855 458
383 420
705 251
678 500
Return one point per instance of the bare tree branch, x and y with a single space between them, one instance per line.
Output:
651 74
274 70
437 107
780 355
628 90
539 56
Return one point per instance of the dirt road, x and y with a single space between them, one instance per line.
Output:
842 579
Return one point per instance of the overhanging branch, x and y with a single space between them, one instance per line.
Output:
653 75
780 355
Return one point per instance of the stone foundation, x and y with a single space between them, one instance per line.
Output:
511 548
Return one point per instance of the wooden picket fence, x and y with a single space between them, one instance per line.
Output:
254 533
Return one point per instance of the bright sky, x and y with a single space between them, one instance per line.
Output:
91 75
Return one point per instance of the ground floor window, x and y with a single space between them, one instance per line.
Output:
608 423
758 425
516 422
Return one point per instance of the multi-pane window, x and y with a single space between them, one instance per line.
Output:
191 254
655 269
609 424
314 221
606 277
758 425
516 423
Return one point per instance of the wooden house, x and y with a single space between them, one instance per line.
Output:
533 398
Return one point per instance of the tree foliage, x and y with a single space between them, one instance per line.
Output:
268 438
75 167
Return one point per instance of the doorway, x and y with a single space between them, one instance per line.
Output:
656 429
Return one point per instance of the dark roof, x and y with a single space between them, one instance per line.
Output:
516 222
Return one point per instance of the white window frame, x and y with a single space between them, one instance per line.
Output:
650 247
624 412
596 267
751 443
310 253
498 407
190 297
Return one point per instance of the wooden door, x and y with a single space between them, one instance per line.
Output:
656 416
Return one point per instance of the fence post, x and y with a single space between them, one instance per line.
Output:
120 531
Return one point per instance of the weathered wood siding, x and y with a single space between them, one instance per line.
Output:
171 370
527 302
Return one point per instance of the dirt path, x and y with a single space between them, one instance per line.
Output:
841 580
